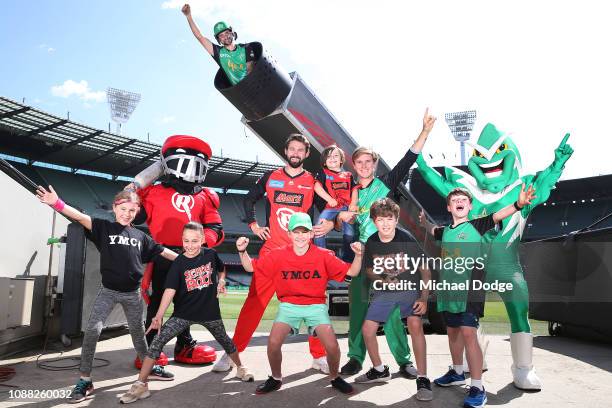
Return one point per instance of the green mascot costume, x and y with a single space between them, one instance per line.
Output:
495 182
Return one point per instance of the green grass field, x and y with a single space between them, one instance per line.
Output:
494 322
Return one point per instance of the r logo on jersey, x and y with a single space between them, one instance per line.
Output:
183 203
282 216
292 199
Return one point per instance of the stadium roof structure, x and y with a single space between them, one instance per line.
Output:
37 136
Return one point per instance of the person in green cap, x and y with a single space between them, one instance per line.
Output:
236 60
300 272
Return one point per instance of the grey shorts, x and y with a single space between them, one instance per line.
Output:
380 310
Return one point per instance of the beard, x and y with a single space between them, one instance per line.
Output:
295 164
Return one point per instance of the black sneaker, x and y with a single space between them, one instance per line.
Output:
408 371
159 373
373 375
270 385
81 391
424 392
342 386
351 368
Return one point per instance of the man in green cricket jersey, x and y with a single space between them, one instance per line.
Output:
236 60
371 189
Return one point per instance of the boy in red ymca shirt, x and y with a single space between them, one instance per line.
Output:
287 190
300 272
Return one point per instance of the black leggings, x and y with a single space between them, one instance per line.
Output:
161 266
176 325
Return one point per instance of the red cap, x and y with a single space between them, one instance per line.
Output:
187 142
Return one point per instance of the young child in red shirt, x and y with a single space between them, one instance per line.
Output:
343 190
300 272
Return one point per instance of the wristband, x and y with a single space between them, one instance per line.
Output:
516 206
59 205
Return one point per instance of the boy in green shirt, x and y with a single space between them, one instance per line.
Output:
461 299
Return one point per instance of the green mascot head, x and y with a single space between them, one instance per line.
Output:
496 161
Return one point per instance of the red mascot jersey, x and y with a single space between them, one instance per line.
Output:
168 211
285 195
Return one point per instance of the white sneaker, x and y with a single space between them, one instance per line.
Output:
320 364
224 364
137 392
244 374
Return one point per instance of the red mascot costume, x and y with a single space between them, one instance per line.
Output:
166 208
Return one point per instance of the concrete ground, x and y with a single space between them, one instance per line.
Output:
574 373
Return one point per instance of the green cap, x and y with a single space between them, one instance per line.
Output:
300 219
220 27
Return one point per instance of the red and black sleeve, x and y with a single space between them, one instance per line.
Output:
255 194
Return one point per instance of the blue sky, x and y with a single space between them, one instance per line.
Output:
536 69
137 46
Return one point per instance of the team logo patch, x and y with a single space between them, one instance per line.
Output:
276 183
183 203
328 177
282 217
340 185
292 199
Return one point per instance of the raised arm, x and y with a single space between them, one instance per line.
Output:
206 43
440 184
525 198
245 259
428 124
546 179
50 198
399 173
356 265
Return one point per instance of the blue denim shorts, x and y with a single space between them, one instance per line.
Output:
465 319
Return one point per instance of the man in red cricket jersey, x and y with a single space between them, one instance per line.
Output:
288 189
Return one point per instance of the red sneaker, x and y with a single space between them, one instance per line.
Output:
196 354
162 361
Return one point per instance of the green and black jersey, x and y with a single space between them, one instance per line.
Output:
463 257
234 63
381 187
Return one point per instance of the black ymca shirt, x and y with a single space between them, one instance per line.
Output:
195 281
123 252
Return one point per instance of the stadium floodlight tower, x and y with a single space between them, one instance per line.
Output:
461 125
122 104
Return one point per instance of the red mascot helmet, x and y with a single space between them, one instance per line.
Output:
186 158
